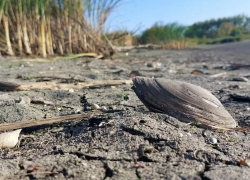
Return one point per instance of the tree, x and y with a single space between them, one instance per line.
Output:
225 29
215 28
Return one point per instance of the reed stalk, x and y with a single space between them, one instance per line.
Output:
48 27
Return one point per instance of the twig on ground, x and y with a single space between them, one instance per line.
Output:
7 86
51 77
218 75
25 124
58 58
32 173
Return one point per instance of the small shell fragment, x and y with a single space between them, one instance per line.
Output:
184 101
9 139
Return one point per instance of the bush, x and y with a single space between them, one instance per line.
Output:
121 38
236 32
159 33
225 40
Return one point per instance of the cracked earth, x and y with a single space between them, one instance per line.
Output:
128 141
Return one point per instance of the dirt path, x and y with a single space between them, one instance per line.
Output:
128 142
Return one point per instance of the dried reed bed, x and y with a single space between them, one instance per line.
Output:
54 27
175 44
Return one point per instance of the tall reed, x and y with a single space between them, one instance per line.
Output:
48 27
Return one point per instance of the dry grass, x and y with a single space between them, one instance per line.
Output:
54 27
175 44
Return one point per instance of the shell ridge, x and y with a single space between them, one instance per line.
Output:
200 104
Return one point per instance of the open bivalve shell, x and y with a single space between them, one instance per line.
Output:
184 101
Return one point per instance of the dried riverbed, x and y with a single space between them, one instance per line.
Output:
128 142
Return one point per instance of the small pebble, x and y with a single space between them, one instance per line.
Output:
149 65
71 90
48 102
57 129
189 134
21 66
181 135
95 106
24 100
205 133
84 164
158 64
78 110
37 100
213 140
112 132
102 124
104 108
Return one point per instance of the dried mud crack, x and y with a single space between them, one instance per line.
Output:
127 141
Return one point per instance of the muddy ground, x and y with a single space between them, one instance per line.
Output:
129 142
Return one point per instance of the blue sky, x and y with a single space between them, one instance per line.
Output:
144 13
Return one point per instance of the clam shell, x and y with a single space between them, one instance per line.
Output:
184 101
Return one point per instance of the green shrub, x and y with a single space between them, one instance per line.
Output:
159 33
227 39
236 32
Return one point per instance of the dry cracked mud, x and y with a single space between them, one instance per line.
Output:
128 141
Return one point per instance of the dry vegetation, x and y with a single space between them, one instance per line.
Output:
54 27
175 44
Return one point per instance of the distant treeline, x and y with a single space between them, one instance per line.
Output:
214 31
216 28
